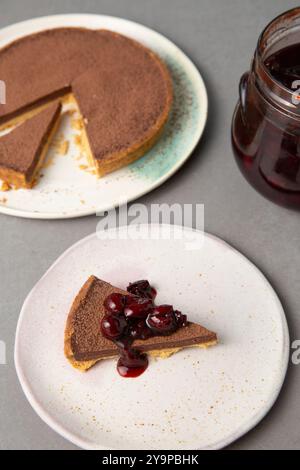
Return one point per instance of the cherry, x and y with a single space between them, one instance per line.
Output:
152 293
137 307
138 287
180 318
112 326
140 330
142 289
115 303
162 309
162 324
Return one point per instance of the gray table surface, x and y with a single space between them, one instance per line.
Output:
219 36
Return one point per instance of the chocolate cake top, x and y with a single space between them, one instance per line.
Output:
121 100
41 65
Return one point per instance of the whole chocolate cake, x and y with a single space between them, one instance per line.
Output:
122 89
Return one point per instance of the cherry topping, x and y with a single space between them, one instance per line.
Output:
163 309
180 318
137 307
152 293
115 303
162 323
132 317
142 289
112 326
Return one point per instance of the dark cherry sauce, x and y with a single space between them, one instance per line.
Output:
134 316
132 367
284 65
267 143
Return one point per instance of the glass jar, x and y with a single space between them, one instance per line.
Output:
266 121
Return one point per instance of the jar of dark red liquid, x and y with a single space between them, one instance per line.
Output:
266 121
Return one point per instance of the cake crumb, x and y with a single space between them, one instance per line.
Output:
63 148
5 186
3 200
57 140
77 124
78 140
60 144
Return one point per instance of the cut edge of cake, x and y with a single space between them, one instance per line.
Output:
20 179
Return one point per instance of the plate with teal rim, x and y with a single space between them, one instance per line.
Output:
67 189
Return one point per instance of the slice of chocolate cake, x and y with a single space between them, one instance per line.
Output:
23 150
85 344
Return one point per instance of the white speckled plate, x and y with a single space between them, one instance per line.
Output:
66 190
197 399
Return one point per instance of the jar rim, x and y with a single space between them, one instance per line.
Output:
275 93
291 13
